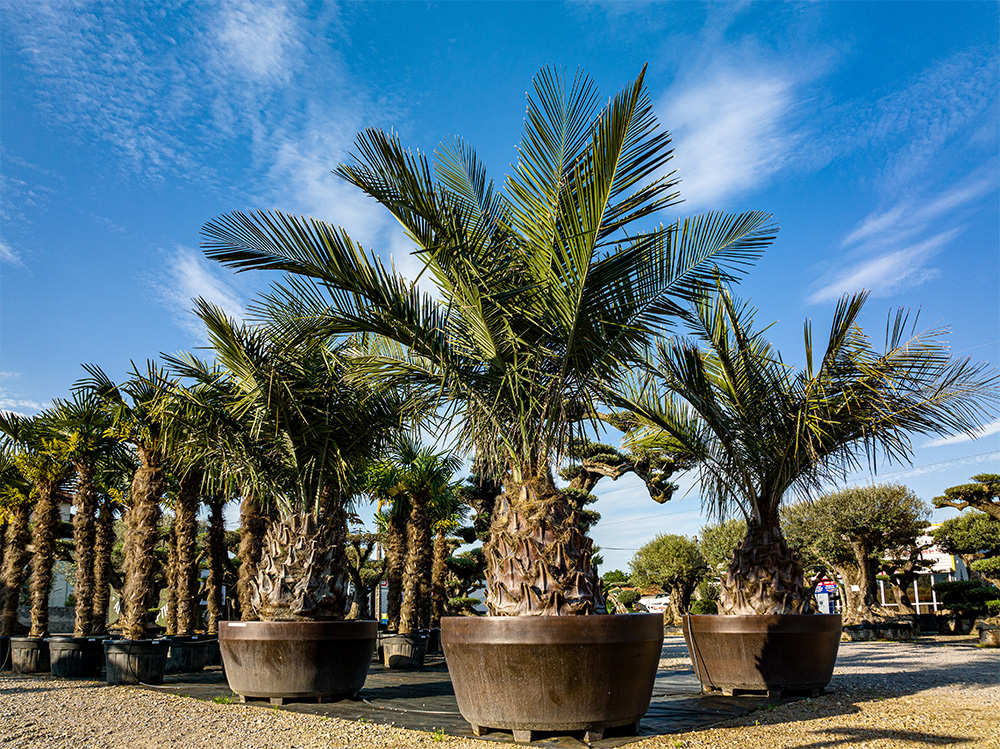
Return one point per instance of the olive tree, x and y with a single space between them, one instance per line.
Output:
672 563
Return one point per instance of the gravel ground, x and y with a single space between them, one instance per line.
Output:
883 695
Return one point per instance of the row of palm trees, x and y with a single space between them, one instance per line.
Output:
270 422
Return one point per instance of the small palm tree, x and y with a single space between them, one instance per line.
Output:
313 434
549 290
762 431
15 513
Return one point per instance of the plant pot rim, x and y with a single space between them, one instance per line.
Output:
525 630
315 630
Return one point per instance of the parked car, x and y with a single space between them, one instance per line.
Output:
656 604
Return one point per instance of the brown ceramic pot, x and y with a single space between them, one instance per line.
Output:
282 661
553 673
783 653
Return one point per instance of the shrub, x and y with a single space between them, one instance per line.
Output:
703 606
966 597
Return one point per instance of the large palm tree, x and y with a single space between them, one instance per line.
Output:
762 431
549 289
40 452
314 432
15 512
138 418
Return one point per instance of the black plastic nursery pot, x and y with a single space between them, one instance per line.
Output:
186 654
4 653
135 661
553 673
76 657
404 651
282 661
29 655
776 654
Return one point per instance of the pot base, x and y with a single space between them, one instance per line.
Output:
543 674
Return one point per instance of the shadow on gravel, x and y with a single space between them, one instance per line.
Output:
864 736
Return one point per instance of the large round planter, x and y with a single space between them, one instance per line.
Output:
4 653
73 657
781 653
283 661
186 654
29 655
553 673
404 651
135 661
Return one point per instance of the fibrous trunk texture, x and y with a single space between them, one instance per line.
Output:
538 561
104 542
46 523
764 577
171 617
140 562
439 572
303 570
395 554
216 561
253 527
84 528
414 613
14 562
186 526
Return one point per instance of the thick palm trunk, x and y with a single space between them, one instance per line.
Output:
302 574
46 524
14 562
140 561
186 526
439 573
104 542
765 576
395 554
171 617
216 561
3 555
84 529
253 527
538 561
414 613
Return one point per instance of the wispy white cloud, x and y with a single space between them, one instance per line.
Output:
887 273
19 406
987 430
258 40
733 129
7 254
188 276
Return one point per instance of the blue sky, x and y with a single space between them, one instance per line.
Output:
869 129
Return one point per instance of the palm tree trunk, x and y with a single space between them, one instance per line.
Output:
84 528
46 523
14 562
395 554
140 561
765 576
104 542
538 561
186 526
439 573
171 617
216 560
415 610
253 527
310 553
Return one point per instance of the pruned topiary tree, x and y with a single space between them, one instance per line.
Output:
674 564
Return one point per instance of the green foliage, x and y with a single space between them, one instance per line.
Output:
966 597
625 596
970 533
703 606
983 494
614 577
878 518
668 561
717 542
463 605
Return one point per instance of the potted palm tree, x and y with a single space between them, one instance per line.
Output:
549 288
15 512
314 432
761 432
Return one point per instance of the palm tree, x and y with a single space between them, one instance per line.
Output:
762 431
447 512
113 481
549 289
137 415
391 516
314 432
41 455
85 427
15 511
